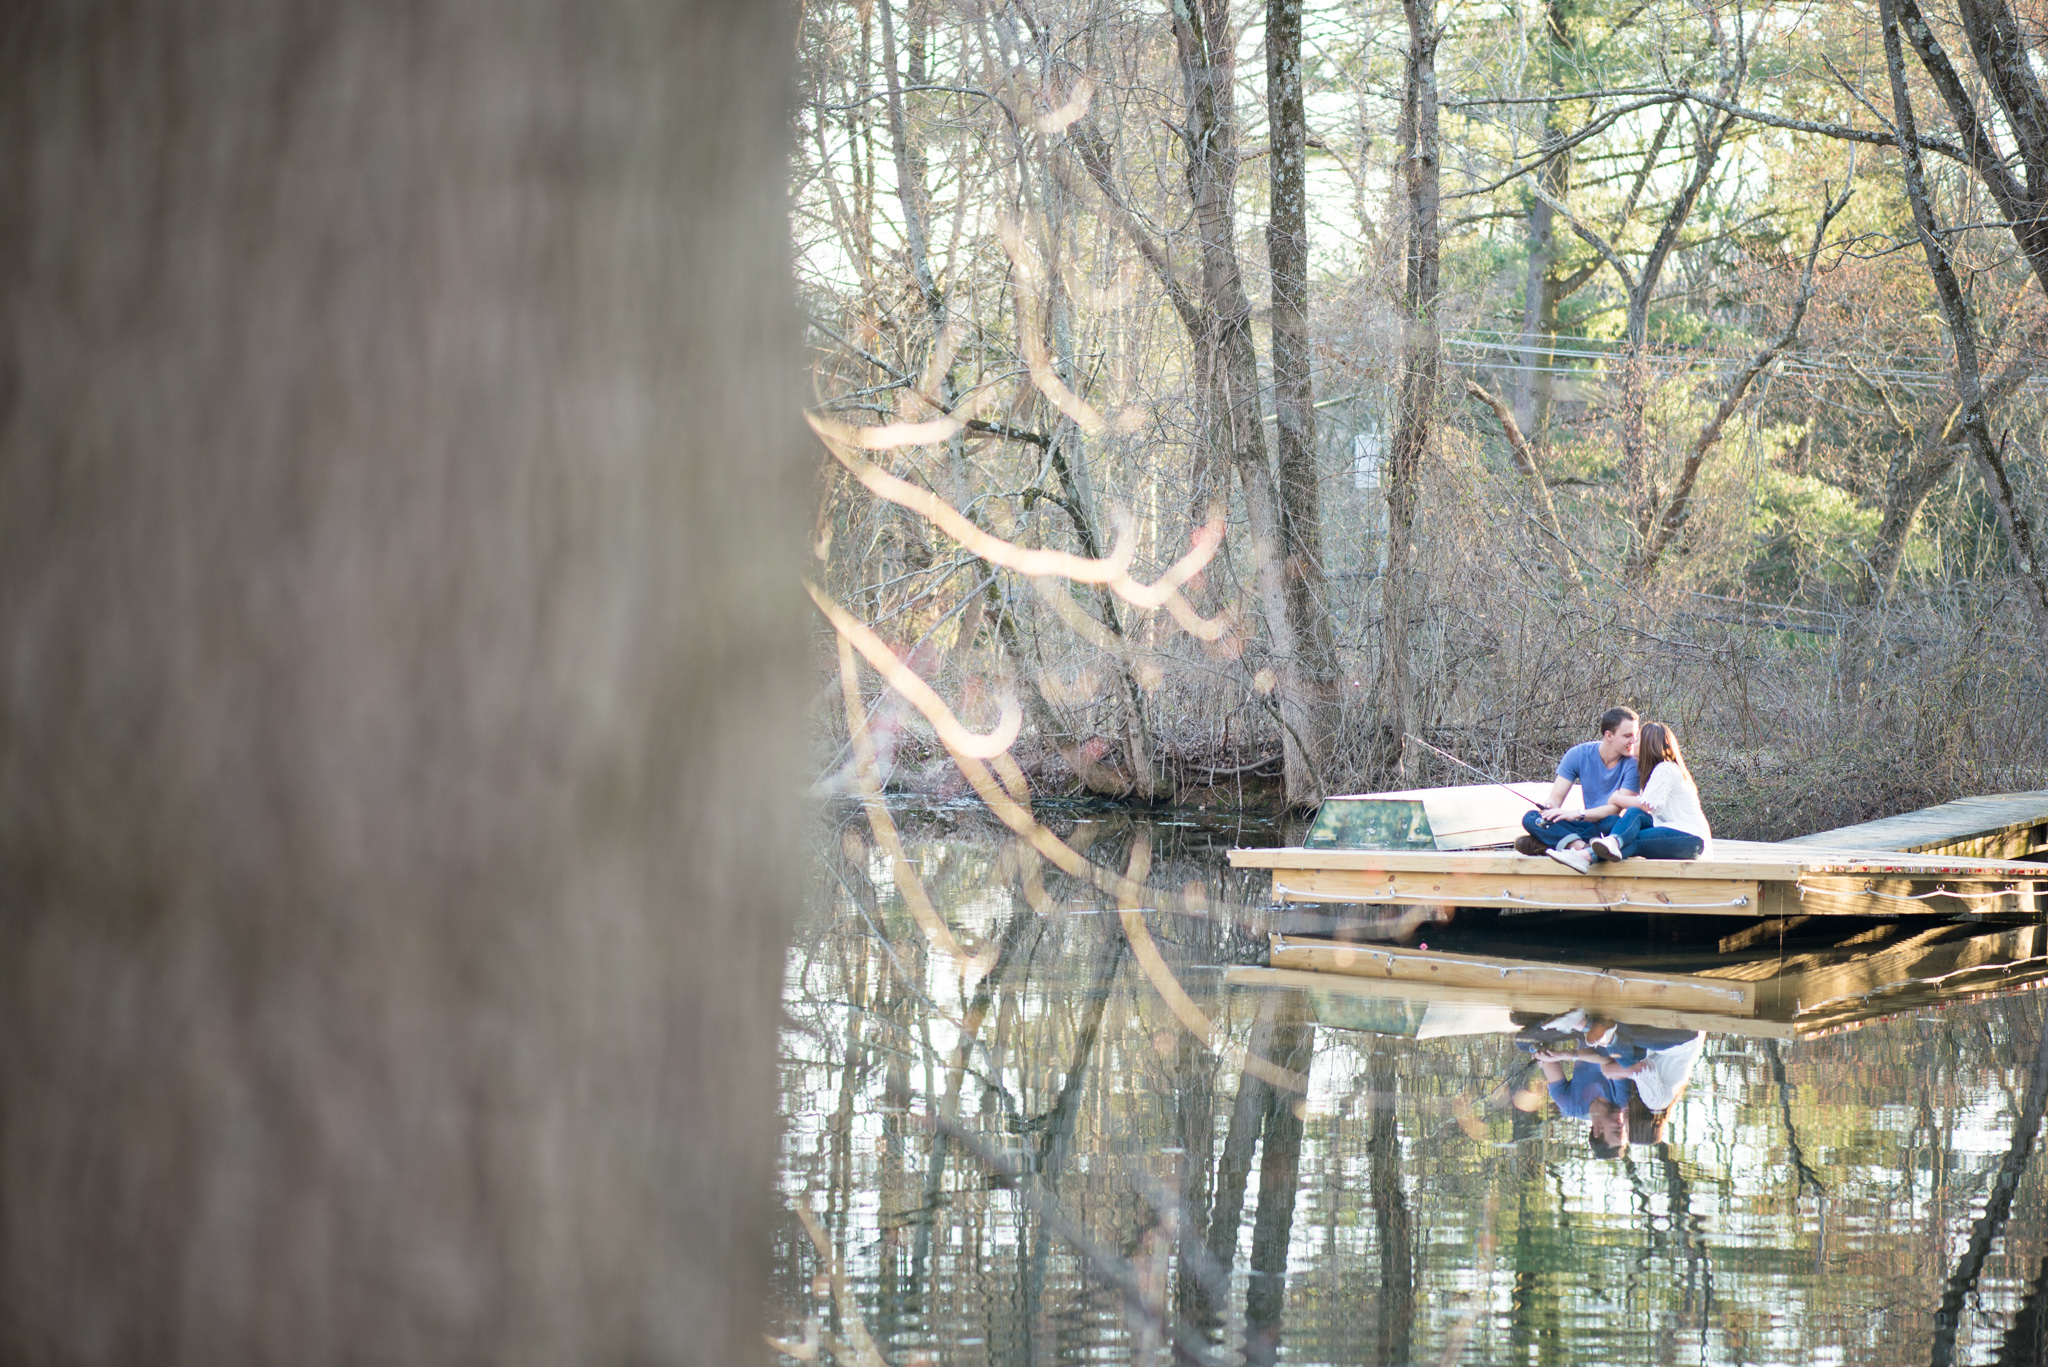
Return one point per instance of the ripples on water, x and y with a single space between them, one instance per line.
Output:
1036 1163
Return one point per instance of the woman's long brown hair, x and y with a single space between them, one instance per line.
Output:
1658 743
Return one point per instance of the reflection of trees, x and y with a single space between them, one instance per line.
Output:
1683 1229
1533 1309
1807 1177
1293 1046
2026 1339
956 1073
1059 1060
1233 1168
1055 1129
1948 1318
1390 1211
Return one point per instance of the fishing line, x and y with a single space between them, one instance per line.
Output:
1479 771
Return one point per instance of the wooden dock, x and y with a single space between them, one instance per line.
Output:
1995 826
1816 934
1739 878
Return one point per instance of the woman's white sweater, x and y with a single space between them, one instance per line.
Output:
1672 800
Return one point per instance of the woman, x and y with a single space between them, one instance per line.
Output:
1668 797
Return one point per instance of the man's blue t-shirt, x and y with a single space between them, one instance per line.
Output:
1588 1084
1597 783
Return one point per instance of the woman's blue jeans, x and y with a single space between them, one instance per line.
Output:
1640 839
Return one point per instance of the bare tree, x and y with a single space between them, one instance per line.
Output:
1300 491
402 496
1546 285
1421 360
1993 33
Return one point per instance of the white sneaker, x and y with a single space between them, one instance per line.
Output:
1578 861
1607 847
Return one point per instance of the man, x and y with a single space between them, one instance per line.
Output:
1587 1093
1601 768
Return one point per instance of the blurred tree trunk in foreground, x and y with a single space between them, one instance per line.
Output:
397 471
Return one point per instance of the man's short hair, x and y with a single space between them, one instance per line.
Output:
1613 717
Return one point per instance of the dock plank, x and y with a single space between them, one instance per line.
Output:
1728 859
1521 888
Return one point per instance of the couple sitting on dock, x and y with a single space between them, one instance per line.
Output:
1620 817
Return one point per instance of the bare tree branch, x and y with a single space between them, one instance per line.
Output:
1546 508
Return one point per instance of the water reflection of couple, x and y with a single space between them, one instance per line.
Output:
1619 817
1622 1080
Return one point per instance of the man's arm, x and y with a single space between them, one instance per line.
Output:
1611 807
1551 808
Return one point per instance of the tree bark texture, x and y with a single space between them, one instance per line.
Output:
1227 364
400 498
2018 185
1301 513
1421 361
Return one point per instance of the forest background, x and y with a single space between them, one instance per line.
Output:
1223 400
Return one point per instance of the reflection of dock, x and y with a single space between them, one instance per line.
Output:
1741 878
1811 977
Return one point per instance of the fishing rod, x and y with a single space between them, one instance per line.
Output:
1479 771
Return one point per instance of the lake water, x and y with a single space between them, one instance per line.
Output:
1025 1147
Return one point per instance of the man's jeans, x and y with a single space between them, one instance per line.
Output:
1640 839
1555 833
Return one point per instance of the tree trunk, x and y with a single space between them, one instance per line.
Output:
1415 423
1301 514
1540 295
402 494
1973 422
1227 366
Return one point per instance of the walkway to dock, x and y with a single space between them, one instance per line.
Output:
1995 826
